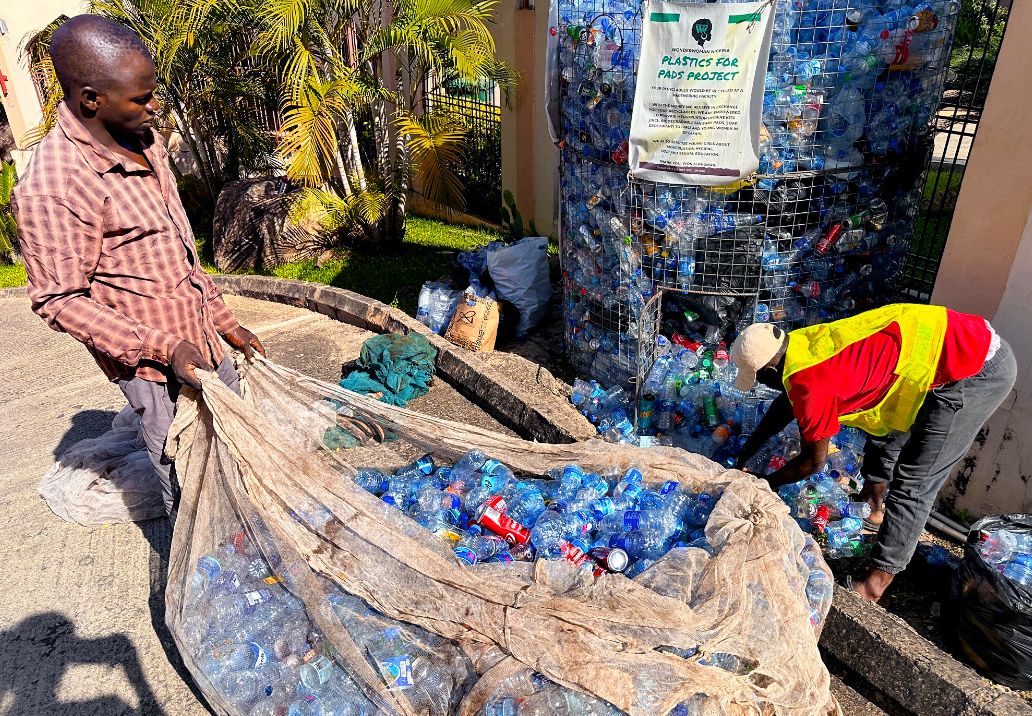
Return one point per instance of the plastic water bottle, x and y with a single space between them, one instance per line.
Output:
548 530
372 481
526 505
496 476
465 473
1019 572
997 547
423 304
475 547
657 375
642 543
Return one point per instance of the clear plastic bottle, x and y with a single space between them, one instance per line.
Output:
1019 572
526 505
549 530
997 547
423 304
642 543
465 473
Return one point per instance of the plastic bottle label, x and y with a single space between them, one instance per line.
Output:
631 520
466 555
259 596
668 487
209 566
258 655
397 672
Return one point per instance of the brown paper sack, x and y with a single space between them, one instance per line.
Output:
475 323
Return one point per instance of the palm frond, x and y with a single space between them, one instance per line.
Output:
282 21
52 96
184 27
316 218
310 137
8 177
506 77
436 142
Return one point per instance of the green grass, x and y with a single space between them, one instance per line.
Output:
940 181
11 276
394 277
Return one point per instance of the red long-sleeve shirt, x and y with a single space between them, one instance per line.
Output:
858 377
110 254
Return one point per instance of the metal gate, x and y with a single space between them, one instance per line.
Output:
479 108
979 35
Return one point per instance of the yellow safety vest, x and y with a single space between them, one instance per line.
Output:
921 328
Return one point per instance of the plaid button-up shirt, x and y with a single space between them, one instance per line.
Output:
110 255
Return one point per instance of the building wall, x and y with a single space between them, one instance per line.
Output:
987 269
22 20
530 162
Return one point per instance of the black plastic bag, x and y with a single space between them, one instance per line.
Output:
993 614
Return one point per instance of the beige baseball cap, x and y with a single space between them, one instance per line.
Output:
753 349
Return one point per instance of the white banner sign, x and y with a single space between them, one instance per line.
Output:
700 91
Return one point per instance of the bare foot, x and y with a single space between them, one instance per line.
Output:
873 493
872 587
874 520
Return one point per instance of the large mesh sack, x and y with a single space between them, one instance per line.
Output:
105 480
314 554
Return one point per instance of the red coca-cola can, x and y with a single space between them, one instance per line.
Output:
573 554
685 342
829 239
491 516
820 520
610 559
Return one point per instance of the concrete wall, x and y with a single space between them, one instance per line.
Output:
530 162
23 18
987 269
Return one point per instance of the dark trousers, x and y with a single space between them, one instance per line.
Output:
916 464
155 403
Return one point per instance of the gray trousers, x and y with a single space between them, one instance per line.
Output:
916 464
155 403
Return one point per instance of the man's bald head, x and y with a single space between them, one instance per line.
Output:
107 76
91 51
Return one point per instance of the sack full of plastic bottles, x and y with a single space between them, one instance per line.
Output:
992 599
457 571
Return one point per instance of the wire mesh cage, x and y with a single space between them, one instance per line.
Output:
819 233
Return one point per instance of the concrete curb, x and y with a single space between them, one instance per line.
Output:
486 385
886 656
13 292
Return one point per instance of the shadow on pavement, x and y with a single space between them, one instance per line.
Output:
38 650
85 424
158 533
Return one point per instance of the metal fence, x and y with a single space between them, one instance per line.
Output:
979 34
478 107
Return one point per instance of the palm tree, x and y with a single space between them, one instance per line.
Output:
213 92
327 89
212 96
260 85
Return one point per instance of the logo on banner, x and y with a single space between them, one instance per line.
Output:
702 31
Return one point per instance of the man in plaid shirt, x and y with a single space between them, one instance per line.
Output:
108 249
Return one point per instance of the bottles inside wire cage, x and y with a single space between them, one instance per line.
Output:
818 234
